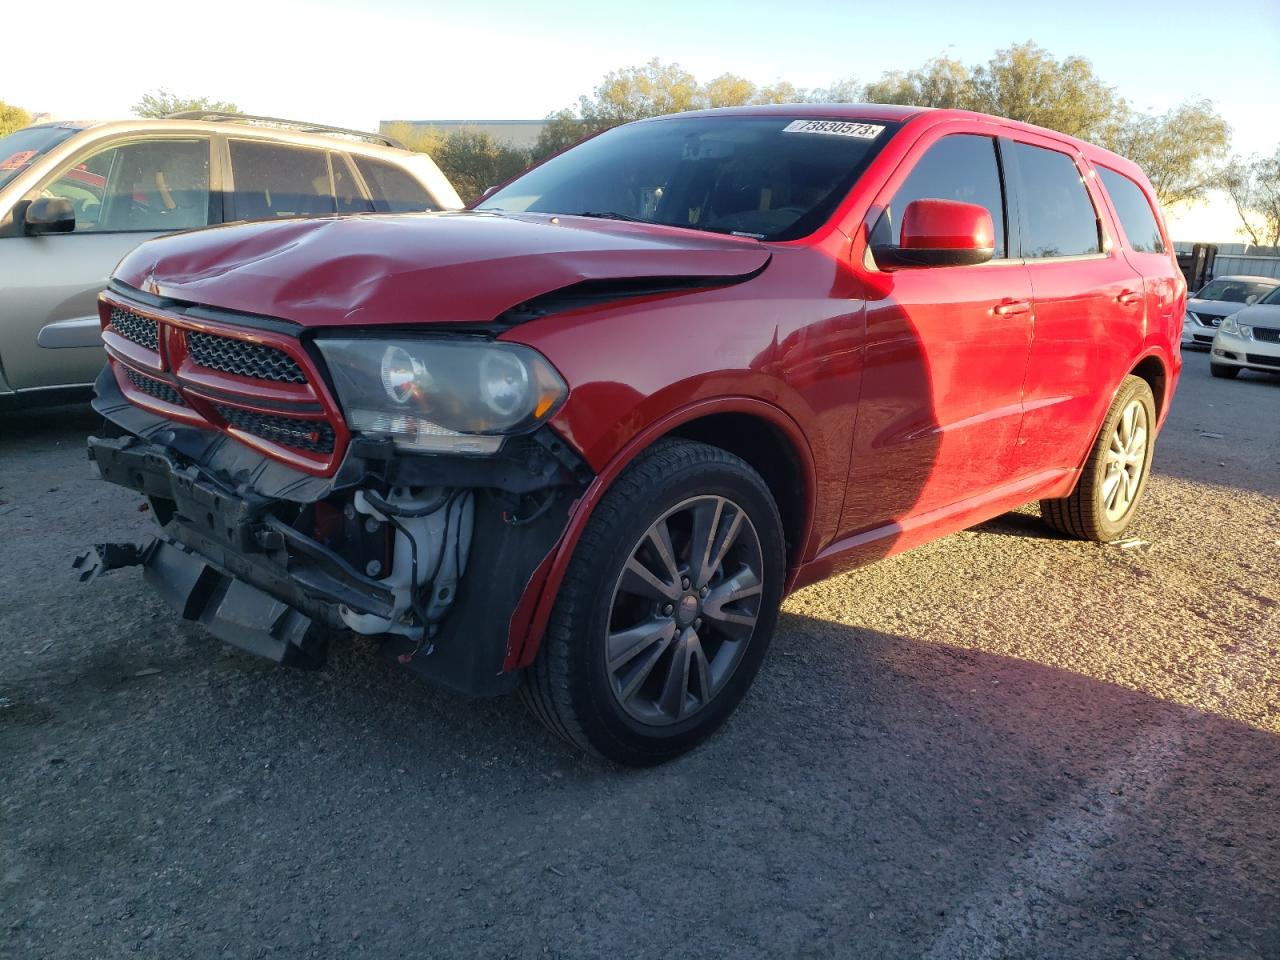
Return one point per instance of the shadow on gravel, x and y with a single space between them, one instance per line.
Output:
1024 525
870 788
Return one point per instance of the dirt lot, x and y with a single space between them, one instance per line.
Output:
1001 745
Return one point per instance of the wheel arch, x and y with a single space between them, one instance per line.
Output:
762 434
1153 370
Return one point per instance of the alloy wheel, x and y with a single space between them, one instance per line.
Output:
683 610
1125 459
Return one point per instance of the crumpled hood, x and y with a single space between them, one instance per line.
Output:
465 267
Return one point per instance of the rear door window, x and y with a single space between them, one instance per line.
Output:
958 167
274 180
1134 211
393 190
1058 218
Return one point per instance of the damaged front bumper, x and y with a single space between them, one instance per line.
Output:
273 561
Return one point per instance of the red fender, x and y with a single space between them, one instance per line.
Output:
529 620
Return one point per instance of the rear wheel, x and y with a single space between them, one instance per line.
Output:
1114 478
666 610
1224 370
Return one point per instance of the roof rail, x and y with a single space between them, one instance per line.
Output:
301 126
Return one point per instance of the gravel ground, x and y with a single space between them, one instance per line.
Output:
1003 744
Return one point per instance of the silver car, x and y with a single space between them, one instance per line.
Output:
1248 339
1220 297
76 197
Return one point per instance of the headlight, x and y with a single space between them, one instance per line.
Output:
455 396
1229 325
1187 321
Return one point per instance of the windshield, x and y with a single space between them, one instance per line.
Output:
20 148
1233 291
1272 297
773 178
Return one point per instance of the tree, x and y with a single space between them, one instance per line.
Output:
1179 151
160 103
1026 83
942 82
563 129
1254 188
633 93
656 88
474 161
781 92
842 91
12 118
729 90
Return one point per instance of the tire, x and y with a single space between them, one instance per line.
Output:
1224 370
1088 513
679 487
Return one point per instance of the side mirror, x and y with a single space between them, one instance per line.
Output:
940 233
49 215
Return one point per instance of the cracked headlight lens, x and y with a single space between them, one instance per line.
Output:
442 396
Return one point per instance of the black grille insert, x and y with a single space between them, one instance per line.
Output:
157 389
243 358
313 436
1259 360
132 326
1266 334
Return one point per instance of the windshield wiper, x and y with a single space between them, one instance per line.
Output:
610 215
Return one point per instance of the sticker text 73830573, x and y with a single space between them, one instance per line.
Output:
836 128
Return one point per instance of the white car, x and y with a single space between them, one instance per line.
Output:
1220 297
1248 339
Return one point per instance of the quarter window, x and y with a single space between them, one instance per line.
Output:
959 167
1131 204
393 190
279 180
1058 216
153 186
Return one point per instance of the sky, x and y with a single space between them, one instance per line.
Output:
356 63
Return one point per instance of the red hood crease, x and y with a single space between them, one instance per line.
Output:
464 267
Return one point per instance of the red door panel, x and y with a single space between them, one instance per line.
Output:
942 390
1089 306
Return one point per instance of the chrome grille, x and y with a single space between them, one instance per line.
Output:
313 436
155 388
135 327
243 358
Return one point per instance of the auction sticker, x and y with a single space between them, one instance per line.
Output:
836 128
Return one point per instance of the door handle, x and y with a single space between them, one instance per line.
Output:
1128 296
1008 307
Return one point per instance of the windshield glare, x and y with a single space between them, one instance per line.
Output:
773 178
19 149
1233 291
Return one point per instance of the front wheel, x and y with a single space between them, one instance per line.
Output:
1114 478
666 610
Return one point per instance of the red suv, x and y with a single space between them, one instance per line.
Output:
583 438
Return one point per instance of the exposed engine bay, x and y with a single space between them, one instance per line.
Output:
427 554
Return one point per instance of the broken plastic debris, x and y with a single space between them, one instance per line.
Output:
1131 543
